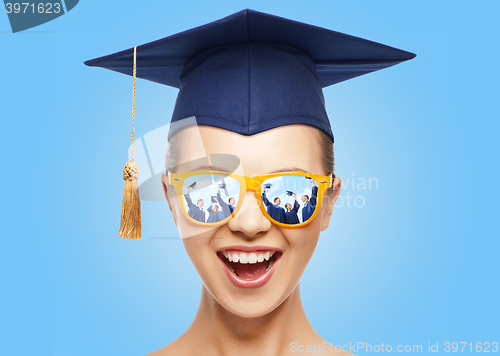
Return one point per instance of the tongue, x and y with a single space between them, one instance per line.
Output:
250 271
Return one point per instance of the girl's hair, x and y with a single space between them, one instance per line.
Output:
174 146
326 143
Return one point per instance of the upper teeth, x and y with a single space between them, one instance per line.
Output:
252 257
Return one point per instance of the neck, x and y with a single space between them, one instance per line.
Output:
227 334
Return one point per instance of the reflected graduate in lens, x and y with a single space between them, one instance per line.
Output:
309 202
227 208
251 81
214 215
195 211
291 211
274 210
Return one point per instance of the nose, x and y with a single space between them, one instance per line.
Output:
249 220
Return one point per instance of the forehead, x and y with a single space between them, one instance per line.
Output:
291 147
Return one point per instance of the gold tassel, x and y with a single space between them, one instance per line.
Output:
130 226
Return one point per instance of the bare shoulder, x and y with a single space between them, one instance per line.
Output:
335 349
316 345
159 352
170 349
163 351
178 347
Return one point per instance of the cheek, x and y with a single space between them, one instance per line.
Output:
195 250
200 252
304 237
302 243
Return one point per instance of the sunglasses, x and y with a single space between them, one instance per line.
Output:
289 199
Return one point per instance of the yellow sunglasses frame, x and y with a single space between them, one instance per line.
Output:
250 183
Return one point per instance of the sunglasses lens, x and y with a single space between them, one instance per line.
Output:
210 198
290 200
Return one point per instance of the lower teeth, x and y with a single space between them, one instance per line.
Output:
269 265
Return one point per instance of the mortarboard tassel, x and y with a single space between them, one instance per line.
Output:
130 226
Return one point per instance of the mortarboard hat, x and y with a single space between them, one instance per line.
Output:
193 185
222 185
248 72
268 185
214 199
289 193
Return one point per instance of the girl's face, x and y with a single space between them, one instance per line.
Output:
250 231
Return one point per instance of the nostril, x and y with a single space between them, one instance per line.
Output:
251 222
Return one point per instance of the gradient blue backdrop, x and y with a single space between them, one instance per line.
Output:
418 263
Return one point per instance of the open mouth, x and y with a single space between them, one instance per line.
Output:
249 269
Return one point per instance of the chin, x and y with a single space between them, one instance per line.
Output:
251 290
252 307
250 304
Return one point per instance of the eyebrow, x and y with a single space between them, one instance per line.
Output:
220 169
289 169
210 168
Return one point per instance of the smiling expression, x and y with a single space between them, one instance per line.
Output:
249 265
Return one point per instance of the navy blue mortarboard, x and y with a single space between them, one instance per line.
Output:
289 193
250 72
192 186
214 199
268 186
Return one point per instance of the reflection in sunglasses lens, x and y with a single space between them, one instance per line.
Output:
210 198
290 200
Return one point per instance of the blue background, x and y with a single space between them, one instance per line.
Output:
418 263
